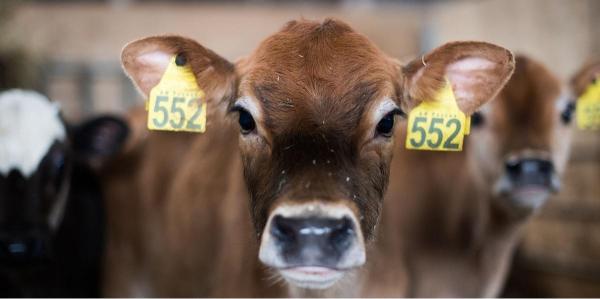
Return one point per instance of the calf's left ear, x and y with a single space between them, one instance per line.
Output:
96 140
477 71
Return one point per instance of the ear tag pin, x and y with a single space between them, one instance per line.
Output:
587 110
176 103
437 124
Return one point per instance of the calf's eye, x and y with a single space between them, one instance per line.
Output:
385 126
567 114
477 119
246 121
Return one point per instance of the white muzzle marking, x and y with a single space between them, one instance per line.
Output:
311 276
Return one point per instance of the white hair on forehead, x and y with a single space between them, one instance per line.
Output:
385 106
29 125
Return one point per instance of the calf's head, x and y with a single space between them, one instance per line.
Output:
37 154
317 105
523 137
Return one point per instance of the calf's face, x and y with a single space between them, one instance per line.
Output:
524 137
33 170
324 102
37 153
317 105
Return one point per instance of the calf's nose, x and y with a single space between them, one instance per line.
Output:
313 241
530 171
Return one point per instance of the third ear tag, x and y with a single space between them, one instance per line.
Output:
588 107
437 124
176 103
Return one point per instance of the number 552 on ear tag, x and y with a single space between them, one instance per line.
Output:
176 103
437 124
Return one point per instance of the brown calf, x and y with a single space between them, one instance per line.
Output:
552 262
526 136
316 105
455 218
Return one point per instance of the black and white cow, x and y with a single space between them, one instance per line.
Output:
51 207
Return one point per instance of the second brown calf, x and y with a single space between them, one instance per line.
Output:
452 220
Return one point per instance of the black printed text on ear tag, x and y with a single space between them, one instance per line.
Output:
176 103
438 124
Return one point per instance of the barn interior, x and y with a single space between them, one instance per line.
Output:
70 50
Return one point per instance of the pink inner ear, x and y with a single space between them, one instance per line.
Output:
151 67
154 58
468 75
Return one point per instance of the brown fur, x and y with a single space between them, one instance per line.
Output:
161 209
537 270
525 115
181 226
164 220
313 81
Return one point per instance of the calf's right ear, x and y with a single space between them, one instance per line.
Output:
146 60
98 139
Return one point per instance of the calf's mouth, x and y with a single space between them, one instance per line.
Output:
312 245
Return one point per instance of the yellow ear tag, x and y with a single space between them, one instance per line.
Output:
176 103
438 124
588 108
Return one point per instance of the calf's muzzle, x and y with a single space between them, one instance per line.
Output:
527 183
531 172
312 244
313 241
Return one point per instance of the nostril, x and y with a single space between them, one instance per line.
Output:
282 230
342 234
513 167
546 167
535 166
531 166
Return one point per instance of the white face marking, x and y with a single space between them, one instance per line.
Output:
383 107
563 100
250 105
486 109
29 125
269 253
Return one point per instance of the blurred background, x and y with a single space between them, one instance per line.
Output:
70 50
